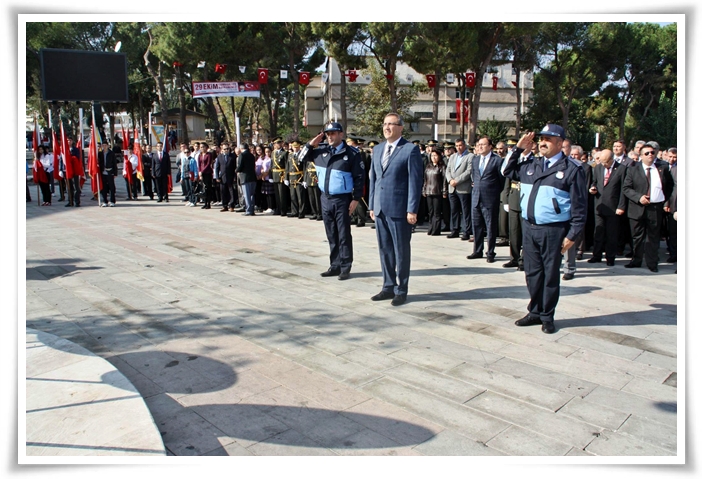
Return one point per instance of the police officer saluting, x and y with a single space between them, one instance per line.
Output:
554 209
340 173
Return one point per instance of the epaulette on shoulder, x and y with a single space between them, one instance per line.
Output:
352 148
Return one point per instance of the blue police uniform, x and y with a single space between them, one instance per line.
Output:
340 174
554 206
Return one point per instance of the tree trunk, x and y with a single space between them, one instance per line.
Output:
390 72
518 120
271 114
159 83
184 138
224 119
474 104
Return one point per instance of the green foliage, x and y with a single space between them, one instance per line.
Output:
661 124
371 103
495 130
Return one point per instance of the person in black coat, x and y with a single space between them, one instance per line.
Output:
147 164
487 186
107 163
434 190
647 185
610 204
246 169
226 166
161 168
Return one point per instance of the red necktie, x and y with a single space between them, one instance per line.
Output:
606 178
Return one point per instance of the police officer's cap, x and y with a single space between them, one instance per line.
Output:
372 143
448 144
295 143
552 130
511 142
432 143
333 126
416 142
278 139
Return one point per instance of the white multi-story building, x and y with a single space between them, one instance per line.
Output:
322 100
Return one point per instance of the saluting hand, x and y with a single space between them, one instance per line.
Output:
526 140
317 140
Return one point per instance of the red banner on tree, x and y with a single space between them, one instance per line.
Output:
304 78
431 81
220 68
466 111
263 75
494 83
352 74
470 79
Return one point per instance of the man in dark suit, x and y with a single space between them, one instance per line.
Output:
487 186
147 161
246 168
161 167
459 189
396 179
672 206
226 166
107 163
647 186
610 204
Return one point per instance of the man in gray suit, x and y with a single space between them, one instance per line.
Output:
460 188
396 179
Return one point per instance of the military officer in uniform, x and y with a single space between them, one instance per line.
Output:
359 215
293 178
278 168
311 183
340 170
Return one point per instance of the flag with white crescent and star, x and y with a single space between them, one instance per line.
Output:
263 75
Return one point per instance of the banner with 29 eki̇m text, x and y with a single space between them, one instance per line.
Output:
203 89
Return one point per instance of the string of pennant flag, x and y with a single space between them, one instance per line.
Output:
352 75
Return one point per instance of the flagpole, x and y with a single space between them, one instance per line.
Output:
92 110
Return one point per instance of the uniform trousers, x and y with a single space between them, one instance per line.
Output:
394 236
606 236
337 225
515 236
300 203
461 213
646 235
315 200
542 260
282 198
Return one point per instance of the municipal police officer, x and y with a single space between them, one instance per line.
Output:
340 172
554 209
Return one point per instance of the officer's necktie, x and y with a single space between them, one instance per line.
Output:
386 158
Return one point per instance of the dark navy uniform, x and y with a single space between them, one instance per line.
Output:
282 192
554 206
340 177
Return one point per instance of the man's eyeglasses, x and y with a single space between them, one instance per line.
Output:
648 153
391 124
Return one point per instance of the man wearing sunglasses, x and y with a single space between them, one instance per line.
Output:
554 209
648 184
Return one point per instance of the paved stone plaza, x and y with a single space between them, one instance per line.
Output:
238 347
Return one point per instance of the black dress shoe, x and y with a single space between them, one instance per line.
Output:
579 256
361 224
399 299
528 320
610 262
632 265
465 238
344 275
568 276
502 242
654 269
382 296
521 267
548 327
490 259
510 264
594 260
630 254
330 272
475 256
672 259
452 235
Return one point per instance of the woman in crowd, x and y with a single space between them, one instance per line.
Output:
263 169
435 189
41 175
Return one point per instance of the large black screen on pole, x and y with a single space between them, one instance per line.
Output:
78 75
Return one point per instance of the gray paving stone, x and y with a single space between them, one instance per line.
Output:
578 452
488 379
600 345
658 361
289 443
439 384
339 369
621 365
427 358
566 430
321 389
652 390
450 443
661 412
614 444
653 433
372 359
596 414
467 421
517 441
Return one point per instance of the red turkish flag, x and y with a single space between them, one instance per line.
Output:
57 152
466 112
353 74
470 79
38 172
263 75
66 151
494 83
304 78
431 81
220 68
137 152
